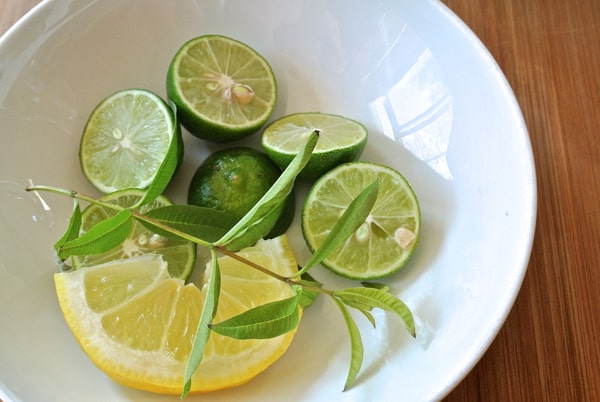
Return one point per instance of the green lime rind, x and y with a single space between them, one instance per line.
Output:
341 140
180 255
373 251
126 139
203 75
232 180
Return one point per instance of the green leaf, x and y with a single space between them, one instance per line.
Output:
368 315
354 216
101 237
308 295
381 286
73 229
211 301
356 345
168 166
369 298
263 322
275 195
204 223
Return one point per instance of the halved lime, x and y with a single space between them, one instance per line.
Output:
341 140
180 255
126 139
224 90
385 241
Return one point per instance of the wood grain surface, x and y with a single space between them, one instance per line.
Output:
548 349
549 50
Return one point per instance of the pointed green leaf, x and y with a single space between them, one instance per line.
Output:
101 237
369 298
168 166
354 216
356 345
368 315
203 223
211 302
73 229
266 321
275 195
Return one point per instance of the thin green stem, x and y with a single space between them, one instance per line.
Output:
275 275
75 195
176 232
172 230
137 215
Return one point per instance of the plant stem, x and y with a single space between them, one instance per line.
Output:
186 236
137 215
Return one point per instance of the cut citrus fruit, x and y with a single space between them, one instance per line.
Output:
385 241
224 90
233 180
126 139
179 254
137 324
341 140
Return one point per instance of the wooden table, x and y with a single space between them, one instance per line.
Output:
550 52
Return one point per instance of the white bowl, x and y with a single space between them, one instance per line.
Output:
438 109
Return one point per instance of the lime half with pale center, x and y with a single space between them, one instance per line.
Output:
385 241
127 138
224 90
341 140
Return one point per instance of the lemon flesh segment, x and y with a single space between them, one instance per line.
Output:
341 140
180 255
385 241
224 90
126 139
137 324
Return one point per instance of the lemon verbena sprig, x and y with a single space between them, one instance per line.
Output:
215 230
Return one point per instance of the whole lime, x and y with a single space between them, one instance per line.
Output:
233 180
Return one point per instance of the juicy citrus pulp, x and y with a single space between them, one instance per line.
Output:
137 324
386 240
233 180
180 255
126 139
341 140
223 89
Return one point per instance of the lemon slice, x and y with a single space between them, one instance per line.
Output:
137 324
387 239
180 255
224 90
341 140
126 139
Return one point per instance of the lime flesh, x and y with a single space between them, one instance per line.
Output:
224 90
385 241
126 139
341 140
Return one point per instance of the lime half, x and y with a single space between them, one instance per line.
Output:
224 90
341 140
180 255
126 139
385 241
